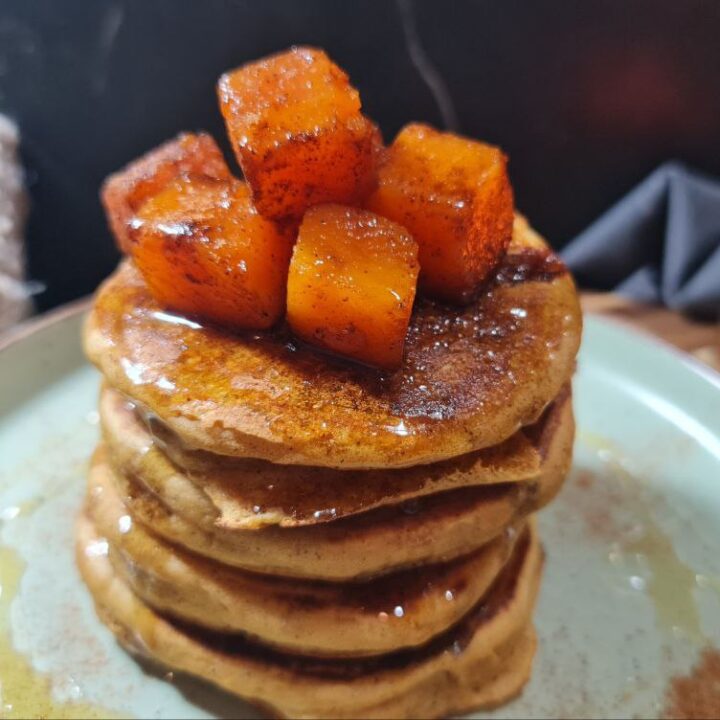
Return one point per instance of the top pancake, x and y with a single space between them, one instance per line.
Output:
471 376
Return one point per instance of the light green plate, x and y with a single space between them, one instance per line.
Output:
631 593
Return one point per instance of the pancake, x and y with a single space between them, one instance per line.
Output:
471 376
395 611
245 494
432 530
481 662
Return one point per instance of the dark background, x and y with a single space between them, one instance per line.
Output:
586 97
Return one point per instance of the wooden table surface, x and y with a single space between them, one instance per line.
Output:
702 340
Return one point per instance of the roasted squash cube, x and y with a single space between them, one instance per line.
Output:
454 196
352 284
295 124
123 192
204 250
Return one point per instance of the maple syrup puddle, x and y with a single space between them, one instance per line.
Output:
646 558
24 692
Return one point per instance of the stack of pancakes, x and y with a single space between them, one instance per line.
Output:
322 540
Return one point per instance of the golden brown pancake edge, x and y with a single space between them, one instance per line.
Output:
481 663
248 494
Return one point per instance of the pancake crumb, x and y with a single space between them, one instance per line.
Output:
697 695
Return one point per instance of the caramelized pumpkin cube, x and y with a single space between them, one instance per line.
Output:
125 191
454 196
295 124
204 250
352 284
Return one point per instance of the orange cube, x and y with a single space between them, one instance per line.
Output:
295 124
352 284
123 192
204 250
455 197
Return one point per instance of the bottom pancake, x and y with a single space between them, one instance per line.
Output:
481 662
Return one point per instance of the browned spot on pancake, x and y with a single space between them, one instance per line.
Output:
428 384
532 265
453 640
697 695
392 596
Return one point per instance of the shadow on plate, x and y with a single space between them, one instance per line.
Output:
202 694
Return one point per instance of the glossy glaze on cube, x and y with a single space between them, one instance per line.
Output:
205 251
125 191
352 284
295 125
454 196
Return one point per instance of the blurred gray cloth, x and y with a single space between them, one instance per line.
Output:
659 244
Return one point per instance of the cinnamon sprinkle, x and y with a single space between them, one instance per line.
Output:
697 695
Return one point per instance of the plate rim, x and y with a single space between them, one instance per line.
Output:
24 329
692 363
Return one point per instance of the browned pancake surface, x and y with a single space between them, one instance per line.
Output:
471 376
